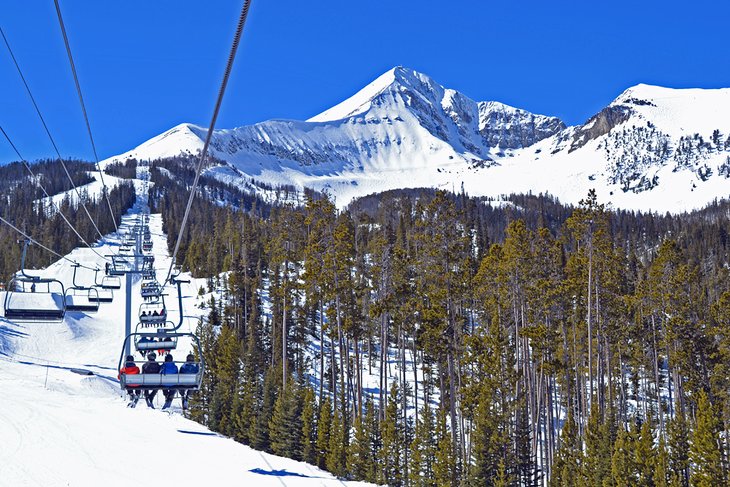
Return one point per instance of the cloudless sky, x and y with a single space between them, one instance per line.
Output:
147 65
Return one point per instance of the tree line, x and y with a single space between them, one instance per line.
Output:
23 205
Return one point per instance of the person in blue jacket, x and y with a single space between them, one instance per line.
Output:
168 368
189 367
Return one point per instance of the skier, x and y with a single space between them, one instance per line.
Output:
168 368
130 368
150 367
189 367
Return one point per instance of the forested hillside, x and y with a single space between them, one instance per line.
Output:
24 205
552 345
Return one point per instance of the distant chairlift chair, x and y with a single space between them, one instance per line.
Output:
34 298
81 298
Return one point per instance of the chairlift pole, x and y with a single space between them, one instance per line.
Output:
127 311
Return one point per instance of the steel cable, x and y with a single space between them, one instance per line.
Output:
83 109
50 198
45 126
204 152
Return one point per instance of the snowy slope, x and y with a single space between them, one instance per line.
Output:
652 148
93 190
60 428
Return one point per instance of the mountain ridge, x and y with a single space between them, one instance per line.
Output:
651 148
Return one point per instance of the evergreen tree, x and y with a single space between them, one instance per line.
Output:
568 465
661 472
324 423
623 468
285 423
309 427
705 450
678 451
391 432
645 455
337 452
599 448
423 450
444 466
359 458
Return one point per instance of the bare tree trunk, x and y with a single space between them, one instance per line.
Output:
283 343
321 350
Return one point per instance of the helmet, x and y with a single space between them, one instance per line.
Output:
190 358
168 358
130 358
152 355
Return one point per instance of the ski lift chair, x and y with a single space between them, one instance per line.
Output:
178 382
153 313
150 289
103 294
32 298
81 298
161 339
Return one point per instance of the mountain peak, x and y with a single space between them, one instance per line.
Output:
360 102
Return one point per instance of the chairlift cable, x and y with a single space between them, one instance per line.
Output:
45 126
83 109
204 151
50 198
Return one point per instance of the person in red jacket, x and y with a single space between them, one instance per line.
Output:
130 368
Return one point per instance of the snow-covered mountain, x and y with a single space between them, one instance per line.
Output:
652 148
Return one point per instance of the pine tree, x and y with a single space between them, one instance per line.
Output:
359 459
622 462
678 451
309 427
323 432
336 456
645 452
568 466
260 438
423 450
705 450
599 448
285 423
392 438
661 472
444 466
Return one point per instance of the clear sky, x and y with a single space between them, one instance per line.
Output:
147 65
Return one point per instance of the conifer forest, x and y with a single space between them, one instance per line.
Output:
520 343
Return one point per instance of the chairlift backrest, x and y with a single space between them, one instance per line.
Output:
32 298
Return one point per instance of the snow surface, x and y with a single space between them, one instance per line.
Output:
60 428
682 111
404 130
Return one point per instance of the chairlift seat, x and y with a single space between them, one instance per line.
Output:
80 299
151 319
157 381
34 306
105 295
111 282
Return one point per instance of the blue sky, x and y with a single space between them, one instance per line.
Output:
146 66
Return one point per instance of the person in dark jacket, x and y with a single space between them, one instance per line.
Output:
189 367
169 368
150 367
130 368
